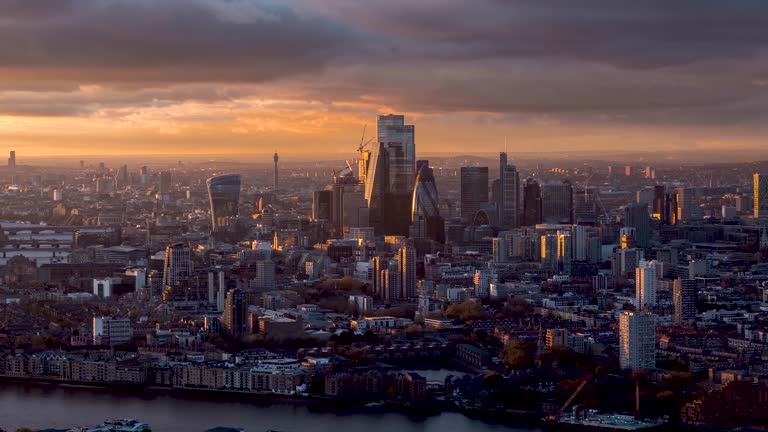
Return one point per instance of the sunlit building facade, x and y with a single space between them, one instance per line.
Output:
637 341
390 175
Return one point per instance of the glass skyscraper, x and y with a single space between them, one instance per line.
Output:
507 202
531 203
557 203
474 190
224 195
390 175
425 216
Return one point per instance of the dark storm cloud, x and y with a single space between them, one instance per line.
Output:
256 40
632 33
638 60
173 40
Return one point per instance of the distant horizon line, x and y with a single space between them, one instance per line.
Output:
623 155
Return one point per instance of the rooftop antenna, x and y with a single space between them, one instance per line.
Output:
505 143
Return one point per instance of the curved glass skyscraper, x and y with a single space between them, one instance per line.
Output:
424 195
426 222
224 194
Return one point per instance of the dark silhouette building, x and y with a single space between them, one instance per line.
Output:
474 190
531 203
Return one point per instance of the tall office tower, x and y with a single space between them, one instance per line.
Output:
585 206
264 277
579 242
122 177
531 203
685 205
391 128
389 189
760 195
549 252
165 186
217 287
500 250
12 159
557 203
375 177
594 248
637 340
564 251
684 294
659 203
507 200
391 282
670 210
636 216
349 206
275 158
322 202
355 213
474 190
645 285
426 222
177 267
378 264
406 263
389 177
235 319
224 196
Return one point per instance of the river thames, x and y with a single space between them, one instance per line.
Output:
62 407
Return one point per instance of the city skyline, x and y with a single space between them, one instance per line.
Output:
433 215
117 78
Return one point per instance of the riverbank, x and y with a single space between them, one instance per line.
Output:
430 407
42 405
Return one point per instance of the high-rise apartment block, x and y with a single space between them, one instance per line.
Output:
684 292
637 340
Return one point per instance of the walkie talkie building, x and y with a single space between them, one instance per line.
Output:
224 194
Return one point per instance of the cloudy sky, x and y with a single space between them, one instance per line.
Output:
248 76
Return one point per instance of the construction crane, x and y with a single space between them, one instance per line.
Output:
581 386
363 143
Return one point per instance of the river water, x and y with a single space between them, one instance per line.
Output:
63 407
